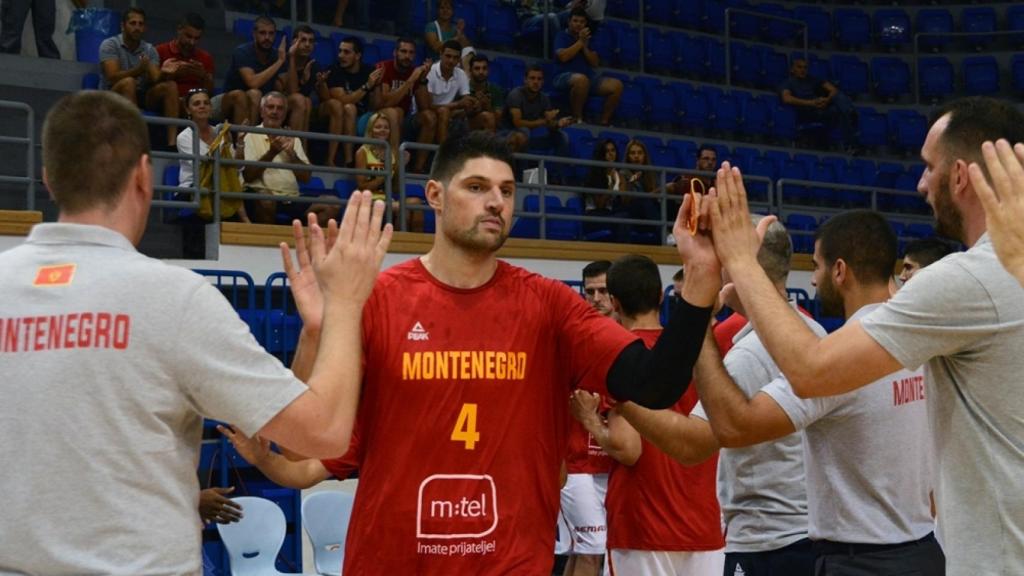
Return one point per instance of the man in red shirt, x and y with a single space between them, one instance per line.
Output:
467 364
663 517
394 94
183 60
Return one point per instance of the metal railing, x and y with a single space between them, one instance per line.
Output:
29 140
873 192
728 38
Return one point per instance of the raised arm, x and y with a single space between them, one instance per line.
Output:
299 474
685 439
615 436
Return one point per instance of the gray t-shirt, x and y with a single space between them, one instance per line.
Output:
963 317
113 48
110 360
869 458
531 109
761 489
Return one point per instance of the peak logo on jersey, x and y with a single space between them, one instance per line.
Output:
56 275
418 333
457 506
463 365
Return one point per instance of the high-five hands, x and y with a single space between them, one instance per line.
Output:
1003 201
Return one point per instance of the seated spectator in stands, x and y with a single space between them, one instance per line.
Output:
183 61
130 66
198 109
922 253
13 14
490 98
302 79
593 8
440 31
278 181
253 73
399 84
532 15
638 180
532 118
576 63
448 86
819 101
707 161
349 84
599 178
371 157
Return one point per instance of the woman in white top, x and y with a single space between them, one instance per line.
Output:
197 105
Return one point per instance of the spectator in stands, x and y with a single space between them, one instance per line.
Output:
440 31
532 15
819 101
371 157
490 98
183 61
278 181
448 86
399 84
527 109
707 161
130 66
593 8
198 109
253 73
576 62
922 253
638 180
13 14
349 82
302 78
601 178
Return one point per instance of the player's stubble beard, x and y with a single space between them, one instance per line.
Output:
472 240
831 300
949 222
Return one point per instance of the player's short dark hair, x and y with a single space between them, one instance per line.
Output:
974 120
596 268
405 40
535 67
91 141
132 10
927 251
635 282
864 240
451 45
478 57
192 20
305 29
707 147
264 20
357 44
459 149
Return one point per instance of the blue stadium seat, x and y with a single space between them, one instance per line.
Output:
524 226
892 28
626 9
746 64
981 21
874 129
820 68
688 15
779 31
891 76
757 190
850 74
171 174
795 194
386 48
908 129
754 115
714 16
686 152
801 228
716 60
91 81
697 110
323 52
661 102
937 21
659 11
825 172
783 121
744 156
1015 22
242 28
936 76
726 113
774 69
515 71
343 188
628 41
692 53
778 158
659 51
1017 72
819 23
981 75
852 27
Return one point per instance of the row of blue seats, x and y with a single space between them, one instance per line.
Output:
802 227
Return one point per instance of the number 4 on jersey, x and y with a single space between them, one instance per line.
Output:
465 427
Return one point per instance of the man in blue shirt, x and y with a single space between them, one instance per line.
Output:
576 76
816 100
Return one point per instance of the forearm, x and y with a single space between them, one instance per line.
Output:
566 54
591 56
299 474
726 405
251 173
615 443
305 353
293 77
686 440
255 80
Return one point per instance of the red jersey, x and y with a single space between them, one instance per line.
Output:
169 50
724 332
585 455
394 78
659 504
345 465
463 420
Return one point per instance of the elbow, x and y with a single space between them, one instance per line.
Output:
328 442
731 437
805 382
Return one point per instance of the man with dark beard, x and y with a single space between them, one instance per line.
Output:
462 414
964 318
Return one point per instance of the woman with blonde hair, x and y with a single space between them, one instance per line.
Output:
372 157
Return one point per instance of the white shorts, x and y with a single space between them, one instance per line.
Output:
583 511
659 563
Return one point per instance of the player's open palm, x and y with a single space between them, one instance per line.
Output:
735 237
347 271
1004 205
302 279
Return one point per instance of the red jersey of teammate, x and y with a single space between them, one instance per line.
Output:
585 455
169 50
345 465
463 420
659 504
395 78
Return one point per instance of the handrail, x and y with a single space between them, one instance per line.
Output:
728 35
872 190
195 157
30 141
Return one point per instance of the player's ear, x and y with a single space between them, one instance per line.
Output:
434 191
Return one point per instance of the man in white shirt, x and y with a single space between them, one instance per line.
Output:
448 86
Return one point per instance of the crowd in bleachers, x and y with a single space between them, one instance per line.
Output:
658 73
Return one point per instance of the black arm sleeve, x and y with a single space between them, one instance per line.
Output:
659 377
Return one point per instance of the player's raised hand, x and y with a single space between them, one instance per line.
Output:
1003 201
693 242
255 449
584 405
302 279
348 270
736 241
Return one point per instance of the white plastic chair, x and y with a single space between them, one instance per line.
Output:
254 541
325 517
